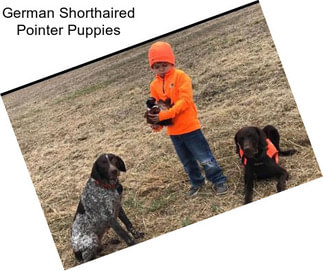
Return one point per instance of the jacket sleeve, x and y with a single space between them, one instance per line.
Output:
184 88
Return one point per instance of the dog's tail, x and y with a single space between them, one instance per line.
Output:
287 152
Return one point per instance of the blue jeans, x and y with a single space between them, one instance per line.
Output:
192 148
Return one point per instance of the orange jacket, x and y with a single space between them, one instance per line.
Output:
177 86
272 152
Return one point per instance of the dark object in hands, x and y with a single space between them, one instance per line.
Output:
154 107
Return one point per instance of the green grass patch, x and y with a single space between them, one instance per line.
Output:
78 93
133 203
214 208
186 221
161 203
84 91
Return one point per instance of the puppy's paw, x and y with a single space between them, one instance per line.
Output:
136 234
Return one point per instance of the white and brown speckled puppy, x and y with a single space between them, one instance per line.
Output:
99 208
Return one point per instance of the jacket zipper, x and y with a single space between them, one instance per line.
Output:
164 84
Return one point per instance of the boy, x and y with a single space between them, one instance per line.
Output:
185 133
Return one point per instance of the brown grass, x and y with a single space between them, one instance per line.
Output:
64 123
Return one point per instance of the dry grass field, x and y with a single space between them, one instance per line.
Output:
64 123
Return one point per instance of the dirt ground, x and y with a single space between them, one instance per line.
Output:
64 123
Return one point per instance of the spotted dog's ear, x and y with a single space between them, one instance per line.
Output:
117 161
95 171
120 164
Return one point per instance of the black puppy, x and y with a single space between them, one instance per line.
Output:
154 107
259 150
99 208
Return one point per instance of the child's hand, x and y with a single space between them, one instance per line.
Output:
153 118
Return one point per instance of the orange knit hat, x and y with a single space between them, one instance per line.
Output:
160 51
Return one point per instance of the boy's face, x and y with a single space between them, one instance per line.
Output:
161 68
